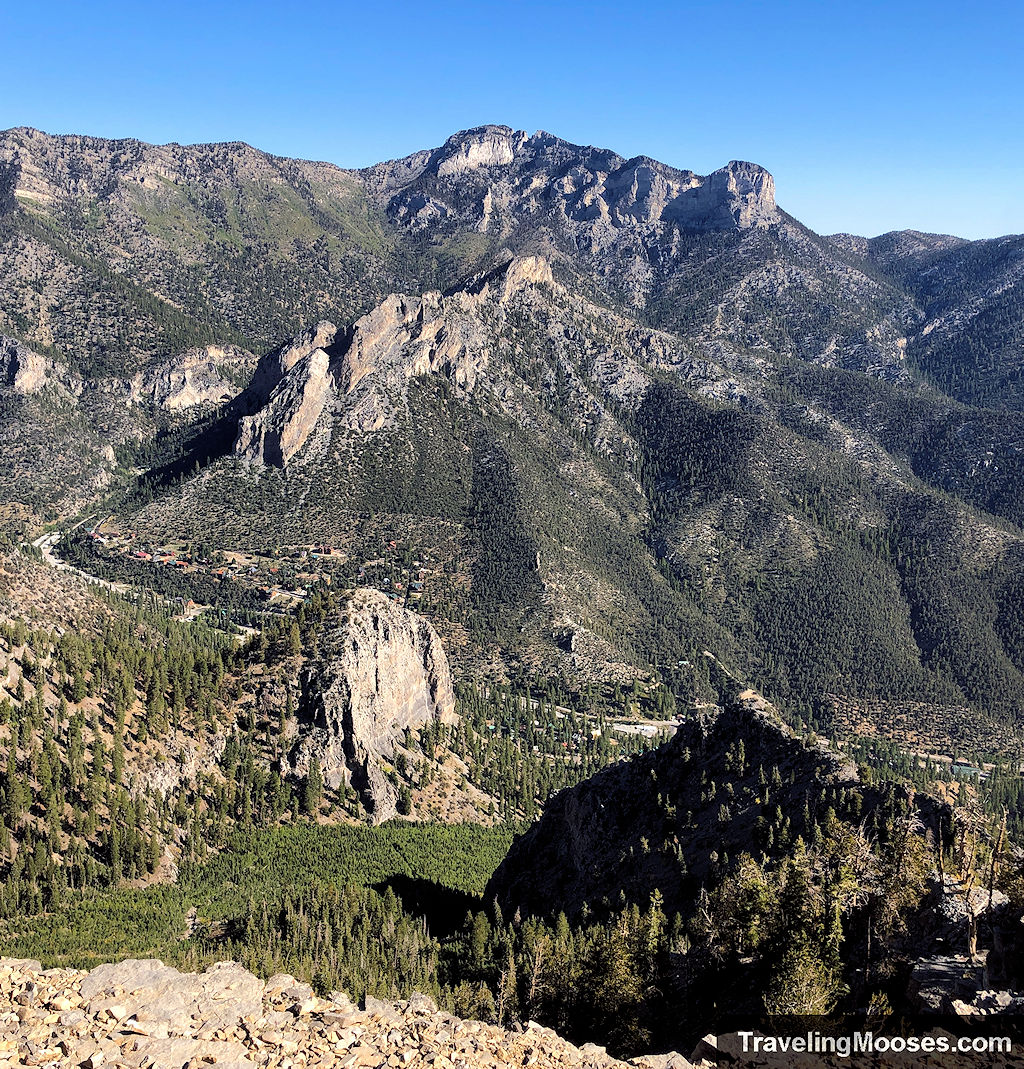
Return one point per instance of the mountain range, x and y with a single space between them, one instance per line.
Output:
642 412
498 481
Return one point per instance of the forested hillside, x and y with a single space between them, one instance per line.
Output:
133 744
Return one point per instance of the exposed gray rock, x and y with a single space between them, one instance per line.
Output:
183 757
174 1053
25 372
208 376
405 337
707 1050
381 670
589 844
938 980
488 146
523 175
387 1010
672 1060
360 380
324 1033
280 429
26 965
273 367
955 903
153 992
420 1003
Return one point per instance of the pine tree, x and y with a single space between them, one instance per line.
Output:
313 788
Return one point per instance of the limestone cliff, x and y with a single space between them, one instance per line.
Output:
203 376
290 388
434 334
487 146
359 378
206 376
273 367
741 194
275 433
26 372
380 670
490 175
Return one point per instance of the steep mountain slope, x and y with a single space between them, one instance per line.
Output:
121 251
970 342
656 821
644 413
64 435
602 494
544 450
118 251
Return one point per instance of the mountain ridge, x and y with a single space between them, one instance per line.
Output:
801 367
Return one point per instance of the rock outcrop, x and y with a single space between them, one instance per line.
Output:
359 379
486 146
611 833
436 333
740 194
143 1013
380 670
207 376
291 386
276 364
24 371
280 429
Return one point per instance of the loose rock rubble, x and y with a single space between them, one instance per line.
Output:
146 1015
989 1003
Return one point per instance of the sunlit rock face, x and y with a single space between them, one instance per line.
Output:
381 670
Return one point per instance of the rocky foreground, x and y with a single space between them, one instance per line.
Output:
147 1015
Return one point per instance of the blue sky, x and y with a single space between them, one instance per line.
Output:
872 116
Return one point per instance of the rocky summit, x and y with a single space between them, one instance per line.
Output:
145 1015
585 187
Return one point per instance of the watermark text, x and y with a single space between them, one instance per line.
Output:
845 1046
